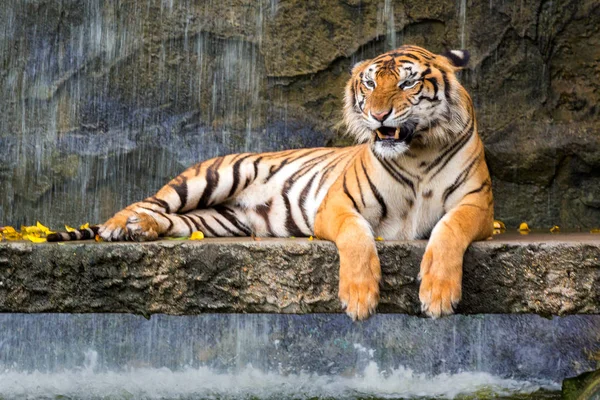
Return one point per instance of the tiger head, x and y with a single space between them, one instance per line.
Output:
408 95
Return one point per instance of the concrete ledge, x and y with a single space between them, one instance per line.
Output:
541 274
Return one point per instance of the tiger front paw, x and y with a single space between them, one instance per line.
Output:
359 290
129 225
359 297
441 279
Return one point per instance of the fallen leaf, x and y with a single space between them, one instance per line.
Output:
311 238
379 239
197 236
98 238
69 229
595 230
555 229
524 227
85 226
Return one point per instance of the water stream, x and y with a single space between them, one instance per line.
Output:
290 356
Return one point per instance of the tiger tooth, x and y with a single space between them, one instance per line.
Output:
397 134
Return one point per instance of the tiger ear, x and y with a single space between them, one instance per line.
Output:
457 58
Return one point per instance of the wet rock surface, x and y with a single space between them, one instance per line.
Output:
540 274
102 102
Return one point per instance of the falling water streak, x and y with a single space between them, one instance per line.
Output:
462 17
388 10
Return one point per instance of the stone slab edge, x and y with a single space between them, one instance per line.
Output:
534 275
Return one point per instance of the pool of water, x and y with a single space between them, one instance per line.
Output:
116 356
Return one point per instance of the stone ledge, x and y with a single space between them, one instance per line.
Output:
541 274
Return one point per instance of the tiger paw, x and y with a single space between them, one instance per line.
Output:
129 225
142 228
115 228
441 276
359 296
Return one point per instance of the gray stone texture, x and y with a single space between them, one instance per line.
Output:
103 101
541 274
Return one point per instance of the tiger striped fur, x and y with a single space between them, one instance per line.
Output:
419 172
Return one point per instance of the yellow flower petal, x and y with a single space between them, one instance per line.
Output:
70 229
85 226
379 239
499 224
311 238
34 239
8 230
197 236
9 233
555 229
524 227
43 228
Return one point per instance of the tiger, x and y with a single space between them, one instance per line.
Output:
417 171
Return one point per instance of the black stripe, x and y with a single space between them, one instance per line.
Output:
208 228
196 223
328 168
434 83
447 155
460 179
184 218
375 192
349 195
165 216
182 191
263 211
236 175
303 196
255 164
159 202
398 176
480 188
446 87
225 227
362 197
229 215
212 181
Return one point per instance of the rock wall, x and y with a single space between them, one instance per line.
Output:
103 101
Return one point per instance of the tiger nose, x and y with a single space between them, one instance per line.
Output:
381 116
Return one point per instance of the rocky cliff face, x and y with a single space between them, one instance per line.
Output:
103 101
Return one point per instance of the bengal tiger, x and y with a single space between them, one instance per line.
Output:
419 171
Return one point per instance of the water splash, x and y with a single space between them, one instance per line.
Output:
252 383
289 356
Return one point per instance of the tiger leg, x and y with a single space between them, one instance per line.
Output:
441 267
360 271
202 186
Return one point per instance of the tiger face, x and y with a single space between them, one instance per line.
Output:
408 95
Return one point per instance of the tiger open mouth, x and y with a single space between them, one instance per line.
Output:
391 135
